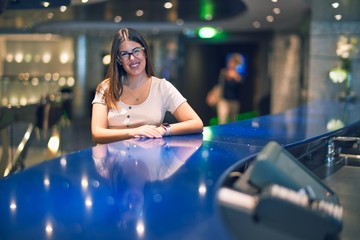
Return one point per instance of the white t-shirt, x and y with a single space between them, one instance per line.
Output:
163 96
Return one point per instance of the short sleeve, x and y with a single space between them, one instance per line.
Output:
99 97
173 97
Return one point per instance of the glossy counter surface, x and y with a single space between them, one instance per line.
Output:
151 189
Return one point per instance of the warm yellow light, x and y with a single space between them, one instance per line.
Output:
46 58
62 81
54 143
106 59
9 57
70 81
35 81
19 57
64 57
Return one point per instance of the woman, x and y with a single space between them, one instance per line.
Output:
229 80
132 102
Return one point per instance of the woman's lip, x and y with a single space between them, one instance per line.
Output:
134 64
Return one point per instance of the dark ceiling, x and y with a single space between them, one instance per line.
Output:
31 4
232 15
188 10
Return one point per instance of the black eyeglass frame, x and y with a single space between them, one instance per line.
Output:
125 56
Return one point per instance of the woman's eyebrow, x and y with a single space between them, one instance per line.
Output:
131 49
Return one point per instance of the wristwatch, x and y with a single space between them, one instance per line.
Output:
167 128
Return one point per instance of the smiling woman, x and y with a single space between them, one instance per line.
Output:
132 102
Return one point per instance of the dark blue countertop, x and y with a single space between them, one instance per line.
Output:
151 189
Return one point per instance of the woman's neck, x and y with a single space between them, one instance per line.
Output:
134 82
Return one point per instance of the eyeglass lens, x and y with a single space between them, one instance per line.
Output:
136 52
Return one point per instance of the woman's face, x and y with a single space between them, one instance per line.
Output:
232 64
132 57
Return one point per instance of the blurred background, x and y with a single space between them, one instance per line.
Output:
54 53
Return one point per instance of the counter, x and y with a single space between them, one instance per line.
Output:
154 188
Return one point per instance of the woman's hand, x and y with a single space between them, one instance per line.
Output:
148 131
233 75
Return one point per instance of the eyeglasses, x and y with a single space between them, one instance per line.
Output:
136 52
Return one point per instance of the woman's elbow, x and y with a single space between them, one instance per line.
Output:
199 126
96 136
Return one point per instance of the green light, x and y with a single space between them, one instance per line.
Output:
207 134
206 9
207 32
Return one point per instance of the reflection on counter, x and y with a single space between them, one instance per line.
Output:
129 165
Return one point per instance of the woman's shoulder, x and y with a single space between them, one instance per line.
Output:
159 82
163 85
104 84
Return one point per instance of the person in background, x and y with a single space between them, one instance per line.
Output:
229 79
131 102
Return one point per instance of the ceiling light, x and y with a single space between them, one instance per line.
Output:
168 5
50 15
139 13
269 18
335 5
63 9
276 10
117 19
338 17
256 24
45 4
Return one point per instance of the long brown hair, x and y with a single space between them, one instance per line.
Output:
112 85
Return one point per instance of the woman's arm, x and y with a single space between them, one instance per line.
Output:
102 134
188 121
